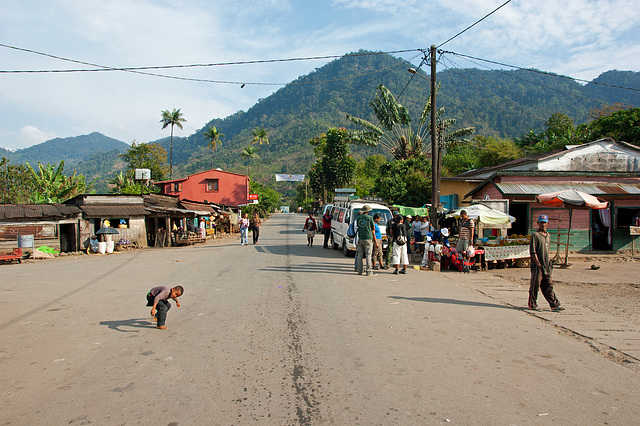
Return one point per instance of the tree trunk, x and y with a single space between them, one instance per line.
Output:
171 155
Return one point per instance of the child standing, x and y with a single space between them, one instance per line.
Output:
158 299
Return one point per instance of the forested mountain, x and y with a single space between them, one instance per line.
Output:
95 156
496 102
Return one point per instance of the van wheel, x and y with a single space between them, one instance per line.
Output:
345 251
333 243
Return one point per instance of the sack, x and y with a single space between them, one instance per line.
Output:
401 240
351 231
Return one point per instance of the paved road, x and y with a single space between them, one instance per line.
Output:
280 333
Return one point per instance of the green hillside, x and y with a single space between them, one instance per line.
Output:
496 102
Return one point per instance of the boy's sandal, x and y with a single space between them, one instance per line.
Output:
534 308
557 309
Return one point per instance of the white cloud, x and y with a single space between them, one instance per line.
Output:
581 38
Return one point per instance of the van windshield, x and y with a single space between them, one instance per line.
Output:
385 215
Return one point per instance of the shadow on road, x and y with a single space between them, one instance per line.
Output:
134 322
452 302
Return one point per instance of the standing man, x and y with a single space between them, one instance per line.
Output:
541 267
366 239
326 227
465 235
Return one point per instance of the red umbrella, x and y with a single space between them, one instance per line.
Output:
570 198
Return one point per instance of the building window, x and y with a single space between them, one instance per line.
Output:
177 187
212 185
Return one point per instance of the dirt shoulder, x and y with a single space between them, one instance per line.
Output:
608 284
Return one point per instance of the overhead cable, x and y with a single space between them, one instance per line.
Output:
477 22
541 72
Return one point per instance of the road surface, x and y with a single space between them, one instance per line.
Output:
281 333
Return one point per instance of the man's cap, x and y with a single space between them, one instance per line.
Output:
397 214
409 216
366 208
543 218
444 232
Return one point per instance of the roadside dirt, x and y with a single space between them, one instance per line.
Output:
612 286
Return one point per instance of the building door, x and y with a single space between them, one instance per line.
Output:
601 233
68 240
521 212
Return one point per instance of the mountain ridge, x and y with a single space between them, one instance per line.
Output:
496 102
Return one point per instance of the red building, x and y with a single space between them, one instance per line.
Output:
210 186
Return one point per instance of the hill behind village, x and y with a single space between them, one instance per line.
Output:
496 102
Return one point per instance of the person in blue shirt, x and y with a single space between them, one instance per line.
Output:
377 249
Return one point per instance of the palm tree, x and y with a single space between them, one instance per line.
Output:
250 152
173 118
214 136
394 131
260 136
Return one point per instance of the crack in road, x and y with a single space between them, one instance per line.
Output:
307 407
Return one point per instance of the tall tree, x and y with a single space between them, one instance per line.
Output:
16 182
260 136
249 153
335 166
150 156
214 136
394 131
173 118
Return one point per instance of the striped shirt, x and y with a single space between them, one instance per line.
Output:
466 229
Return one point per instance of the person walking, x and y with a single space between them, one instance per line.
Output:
541 267
326 227
255 227
400 241
311 226
366 239
244 229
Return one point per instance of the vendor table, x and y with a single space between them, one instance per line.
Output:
505 252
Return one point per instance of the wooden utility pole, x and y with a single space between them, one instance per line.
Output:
435 172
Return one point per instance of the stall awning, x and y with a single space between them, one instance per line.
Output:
113 210
592 188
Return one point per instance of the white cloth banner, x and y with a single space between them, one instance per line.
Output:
289 178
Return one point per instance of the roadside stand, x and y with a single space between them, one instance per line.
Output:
496 249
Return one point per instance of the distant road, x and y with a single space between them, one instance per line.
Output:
281 333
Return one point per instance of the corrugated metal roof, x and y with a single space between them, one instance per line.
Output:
196 206
592 188
113 210
24 211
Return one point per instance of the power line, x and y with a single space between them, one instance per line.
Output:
477 22
541 72
102 68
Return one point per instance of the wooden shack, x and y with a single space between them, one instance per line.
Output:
53 225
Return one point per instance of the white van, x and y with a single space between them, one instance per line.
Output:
344 212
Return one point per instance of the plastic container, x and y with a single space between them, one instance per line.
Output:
102 247
110 245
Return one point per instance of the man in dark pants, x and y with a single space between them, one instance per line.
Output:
541 268
158 299
326 228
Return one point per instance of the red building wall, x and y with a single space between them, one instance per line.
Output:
210 186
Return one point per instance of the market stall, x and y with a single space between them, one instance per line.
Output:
494 248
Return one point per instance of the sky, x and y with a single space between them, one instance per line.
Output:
577 38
